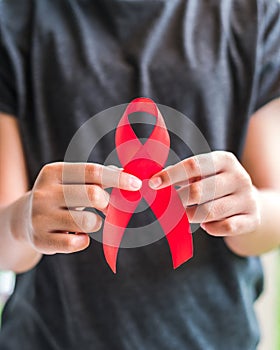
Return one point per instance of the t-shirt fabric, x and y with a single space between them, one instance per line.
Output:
61 62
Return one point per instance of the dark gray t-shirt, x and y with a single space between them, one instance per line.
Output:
61 62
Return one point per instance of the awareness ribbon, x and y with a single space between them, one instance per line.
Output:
143 161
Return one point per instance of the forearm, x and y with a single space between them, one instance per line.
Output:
16 253
267 235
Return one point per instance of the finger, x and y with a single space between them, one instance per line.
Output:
92 173
51 243
207 189
75 221
216 210
73 196
231 226
199 166
184 171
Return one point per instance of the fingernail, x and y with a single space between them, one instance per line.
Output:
135 183
155 182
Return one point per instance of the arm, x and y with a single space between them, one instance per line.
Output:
261 158
39 221
219 194
14 254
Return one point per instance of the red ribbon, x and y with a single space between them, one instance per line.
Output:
144 161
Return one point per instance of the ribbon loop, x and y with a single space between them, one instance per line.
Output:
144 161
129 146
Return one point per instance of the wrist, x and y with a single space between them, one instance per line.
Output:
16 251
20 223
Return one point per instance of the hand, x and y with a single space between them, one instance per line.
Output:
60 193
216 191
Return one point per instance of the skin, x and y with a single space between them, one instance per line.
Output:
243 208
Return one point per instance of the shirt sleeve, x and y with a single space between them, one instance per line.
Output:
268 62
8 98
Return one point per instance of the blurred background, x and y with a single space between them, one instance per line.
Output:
6 288
267 307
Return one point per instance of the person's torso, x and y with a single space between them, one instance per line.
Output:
77 58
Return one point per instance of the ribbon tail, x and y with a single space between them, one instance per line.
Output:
115 225
180 242
173 219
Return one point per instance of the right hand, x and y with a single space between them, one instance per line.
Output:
56 201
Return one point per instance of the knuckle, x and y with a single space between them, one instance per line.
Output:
166 176
93 194
195 193
51 168
45 194
192 165
46 169
94 171
229 227
50 171
230 157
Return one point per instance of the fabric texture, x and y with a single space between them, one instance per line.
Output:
64 61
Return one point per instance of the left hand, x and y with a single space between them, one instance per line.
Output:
216 191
